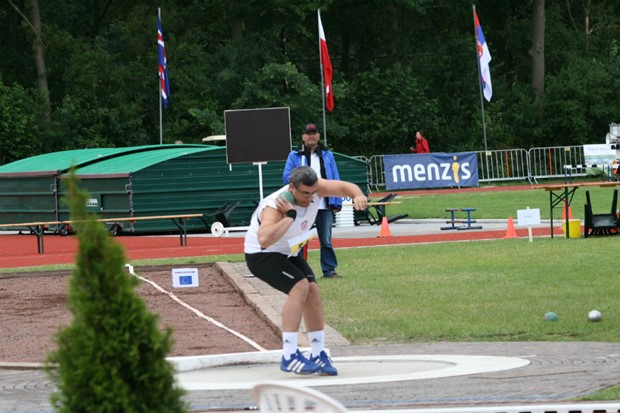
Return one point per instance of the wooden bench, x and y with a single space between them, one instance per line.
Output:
39 228
467 222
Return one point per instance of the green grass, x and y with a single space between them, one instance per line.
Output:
167 261
475 291
192 260
611 393
498 204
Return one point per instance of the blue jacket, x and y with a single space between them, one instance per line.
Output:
301 156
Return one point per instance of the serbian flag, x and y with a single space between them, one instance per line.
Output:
328 72
163 67
484 58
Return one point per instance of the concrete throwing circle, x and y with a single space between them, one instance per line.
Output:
244 370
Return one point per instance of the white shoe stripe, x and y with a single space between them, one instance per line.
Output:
295 365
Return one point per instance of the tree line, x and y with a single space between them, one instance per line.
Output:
83 73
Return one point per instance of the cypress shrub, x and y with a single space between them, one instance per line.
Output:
111 358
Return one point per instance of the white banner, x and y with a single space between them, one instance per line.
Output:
598 156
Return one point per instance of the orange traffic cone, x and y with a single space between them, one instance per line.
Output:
385 228
510 229
570 213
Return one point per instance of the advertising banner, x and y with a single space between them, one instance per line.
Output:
598 158
431 170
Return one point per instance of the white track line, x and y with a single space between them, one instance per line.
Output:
195 311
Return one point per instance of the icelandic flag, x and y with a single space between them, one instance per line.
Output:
484 58
163 67
328 71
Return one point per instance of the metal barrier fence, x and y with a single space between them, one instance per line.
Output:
553 162
503 165
375 173
507 165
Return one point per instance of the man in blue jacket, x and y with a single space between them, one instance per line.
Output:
318 157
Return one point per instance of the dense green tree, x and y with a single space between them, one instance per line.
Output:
18 123
111 357
397 109
101 61
538 49
34 23
578 97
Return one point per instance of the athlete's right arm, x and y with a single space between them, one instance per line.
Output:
274 224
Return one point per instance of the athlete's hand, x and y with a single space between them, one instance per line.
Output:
360 202
283 204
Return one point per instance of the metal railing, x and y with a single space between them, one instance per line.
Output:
503 165
507 165
554 162
375 173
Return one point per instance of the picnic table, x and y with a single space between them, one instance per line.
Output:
38 228
563 193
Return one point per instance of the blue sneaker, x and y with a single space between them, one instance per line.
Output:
325 364
298 364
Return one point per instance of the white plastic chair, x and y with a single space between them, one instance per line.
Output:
275 397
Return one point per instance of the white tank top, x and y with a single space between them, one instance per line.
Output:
303 223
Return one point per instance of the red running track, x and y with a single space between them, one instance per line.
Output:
21 250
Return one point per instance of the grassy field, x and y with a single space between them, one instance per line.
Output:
475 291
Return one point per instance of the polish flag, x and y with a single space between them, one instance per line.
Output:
328 72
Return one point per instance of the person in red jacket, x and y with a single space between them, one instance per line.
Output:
421 144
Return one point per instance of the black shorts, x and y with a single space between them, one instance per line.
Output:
278 270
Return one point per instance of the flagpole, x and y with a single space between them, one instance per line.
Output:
161 130
484 125
487 154
318 12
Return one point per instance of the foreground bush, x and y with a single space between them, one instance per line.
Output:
111 358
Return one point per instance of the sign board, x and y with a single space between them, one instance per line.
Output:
598 156
430 170
184 277
527 217
257 135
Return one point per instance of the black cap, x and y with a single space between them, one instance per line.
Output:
309 128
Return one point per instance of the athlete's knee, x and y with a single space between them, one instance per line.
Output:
302 286
313 289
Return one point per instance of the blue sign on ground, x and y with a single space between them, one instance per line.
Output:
432 170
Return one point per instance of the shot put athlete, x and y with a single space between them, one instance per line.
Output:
271 258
